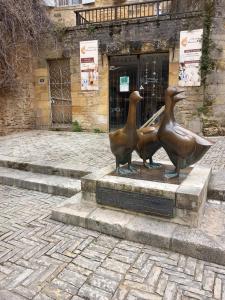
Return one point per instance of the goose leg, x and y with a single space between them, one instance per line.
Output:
174 173
151 164
130 167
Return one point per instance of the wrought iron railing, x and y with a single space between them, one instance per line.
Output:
153 8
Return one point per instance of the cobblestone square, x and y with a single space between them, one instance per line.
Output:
44 259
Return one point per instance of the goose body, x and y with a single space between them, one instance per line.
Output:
183 147
123 141
148 144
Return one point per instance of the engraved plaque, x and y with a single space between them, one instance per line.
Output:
141 203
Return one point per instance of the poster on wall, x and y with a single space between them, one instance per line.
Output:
124 84
89 65
190 57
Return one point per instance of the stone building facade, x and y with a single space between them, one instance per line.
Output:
203 111
133 44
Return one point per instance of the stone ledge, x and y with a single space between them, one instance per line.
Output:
187 198
195 242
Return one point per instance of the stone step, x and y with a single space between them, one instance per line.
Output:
217 186
45 168
205 242
51 184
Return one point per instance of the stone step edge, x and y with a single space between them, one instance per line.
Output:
139 228
43 169
38 186
217 194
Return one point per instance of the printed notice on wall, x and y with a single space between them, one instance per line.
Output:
89 65
124 84
190 57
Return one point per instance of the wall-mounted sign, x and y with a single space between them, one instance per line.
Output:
124 84
190 57
89 65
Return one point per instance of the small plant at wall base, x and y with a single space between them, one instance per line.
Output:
207 63
97 130
76 127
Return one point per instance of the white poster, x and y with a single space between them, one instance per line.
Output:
124 84
89 65
190 57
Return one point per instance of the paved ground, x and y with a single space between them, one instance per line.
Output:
79 150
42 259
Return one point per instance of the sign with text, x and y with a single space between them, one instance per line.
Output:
89 65
124 84
190 57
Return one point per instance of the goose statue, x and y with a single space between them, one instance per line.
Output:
123 141
183 147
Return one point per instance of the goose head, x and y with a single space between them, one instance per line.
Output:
135 97
174 94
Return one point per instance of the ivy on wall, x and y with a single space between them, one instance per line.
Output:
207 63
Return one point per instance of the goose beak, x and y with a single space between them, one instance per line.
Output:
178 97
178 92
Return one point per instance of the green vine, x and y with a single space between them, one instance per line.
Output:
91 29
207 63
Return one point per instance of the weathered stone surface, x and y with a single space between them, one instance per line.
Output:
36 261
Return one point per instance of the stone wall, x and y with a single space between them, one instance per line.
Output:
91 109
16 107
213 110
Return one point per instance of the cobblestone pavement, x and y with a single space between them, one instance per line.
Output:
42 259
80 150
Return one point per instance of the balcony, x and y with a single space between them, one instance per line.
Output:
148 9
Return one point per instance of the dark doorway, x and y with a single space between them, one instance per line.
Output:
147 73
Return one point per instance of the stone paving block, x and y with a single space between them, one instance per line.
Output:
73 207
90 292
144 229
6 295
103 283
73 278
197 244
109 221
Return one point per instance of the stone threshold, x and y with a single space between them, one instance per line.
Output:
201 243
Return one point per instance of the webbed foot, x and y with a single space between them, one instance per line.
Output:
171 174
152 165
122 171
132 169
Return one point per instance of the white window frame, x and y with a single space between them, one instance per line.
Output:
63 3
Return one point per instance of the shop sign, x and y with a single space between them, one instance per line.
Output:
89 65
190 57
124 84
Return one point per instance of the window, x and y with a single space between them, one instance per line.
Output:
72 2
67 2
87 1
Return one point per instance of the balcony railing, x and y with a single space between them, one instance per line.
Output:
153 8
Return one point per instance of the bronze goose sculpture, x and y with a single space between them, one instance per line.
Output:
148 144
123 141
183 147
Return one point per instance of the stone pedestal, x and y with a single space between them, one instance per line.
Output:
179 202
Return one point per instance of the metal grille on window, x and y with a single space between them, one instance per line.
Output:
147 73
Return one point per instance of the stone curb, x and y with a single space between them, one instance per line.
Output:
140 228
44 168
50 184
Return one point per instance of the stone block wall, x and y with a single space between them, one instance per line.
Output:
213 116
16 107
